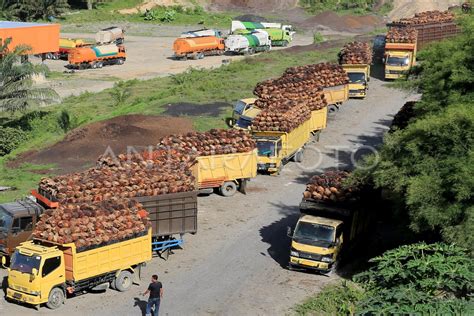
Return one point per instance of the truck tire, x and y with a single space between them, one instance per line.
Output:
56 298
299 156
120 61
285 44
228 189
94 65
251 51
200 55
100 64
123 282
195 56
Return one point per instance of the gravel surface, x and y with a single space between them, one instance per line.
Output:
235 264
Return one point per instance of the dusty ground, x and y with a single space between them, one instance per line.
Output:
408 8
235 264
147 57
81 147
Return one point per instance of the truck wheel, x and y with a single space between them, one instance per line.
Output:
55 298
200 55
120 61
100 64
195 56
298 156
94 65
285 44
228 189
251 51
124 281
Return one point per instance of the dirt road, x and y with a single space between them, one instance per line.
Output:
235 264
147 57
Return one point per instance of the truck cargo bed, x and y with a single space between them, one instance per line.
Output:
174 213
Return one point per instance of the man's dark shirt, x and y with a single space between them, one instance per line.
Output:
154 289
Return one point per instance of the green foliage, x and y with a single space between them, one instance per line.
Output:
121 91
10 139
360 6
66 121
317 38
16 81
31 10
418 279
334 299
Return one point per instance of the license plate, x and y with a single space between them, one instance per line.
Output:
17 296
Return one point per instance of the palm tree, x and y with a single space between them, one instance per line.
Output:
31 10
16 80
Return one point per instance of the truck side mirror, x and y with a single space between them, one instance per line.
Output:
288 232
383 60
4 261
33 274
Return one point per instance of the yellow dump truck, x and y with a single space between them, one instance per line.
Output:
227 173
398 59
275 148
42 272
359 77
318 121
336 95
322 231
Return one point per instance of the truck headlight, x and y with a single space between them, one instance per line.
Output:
327 259
37 293
272 165
294 253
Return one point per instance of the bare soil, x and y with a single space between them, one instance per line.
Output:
82 146
408 8
344 23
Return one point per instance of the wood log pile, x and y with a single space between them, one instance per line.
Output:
88 225
282 118
327 187
126 176
401 35
428 17
355 53
213 142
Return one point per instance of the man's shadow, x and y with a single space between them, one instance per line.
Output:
141 304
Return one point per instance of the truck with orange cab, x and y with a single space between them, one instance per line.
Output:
198 47
96 56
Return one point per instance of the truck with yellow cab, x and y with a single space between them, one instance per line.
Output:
323 230
43 272
276 148
359 77
336 95
398 59
228 173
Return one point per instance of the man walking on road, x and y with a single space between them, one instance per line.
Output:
156 293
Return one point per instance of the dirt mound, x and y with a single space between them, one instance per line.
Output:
272 5
193 109
345 23
408 8
81 147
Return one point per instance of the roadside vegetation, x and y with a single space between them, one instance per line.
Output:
347 6
228 83
426 169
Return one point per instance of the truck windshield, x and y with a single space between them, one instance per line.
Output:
266 148
356 77
24 263
5 220
244 122
398 61
314 234
239 107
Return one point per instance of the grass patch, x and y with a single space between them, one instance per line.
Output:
224 84
334 299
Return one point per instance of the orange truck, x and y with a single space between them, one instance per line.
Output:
42 38
198 47
96 56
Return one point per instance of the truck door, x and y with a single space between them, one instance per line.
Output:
22 228
339 240
52 273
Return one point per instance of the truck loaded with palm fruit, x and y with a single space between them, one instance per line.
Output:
332 220
356 58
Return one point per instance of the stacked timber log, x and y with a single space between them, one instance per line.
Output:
328 187
92 224
356 53
127 176
213 142
401 35
428 17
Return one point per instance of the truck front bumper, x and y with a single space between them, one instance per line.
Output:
23 297
319 266
267 167
358 93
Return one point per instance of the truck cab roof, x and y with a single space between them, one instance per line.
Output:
21 208
31 248
320 220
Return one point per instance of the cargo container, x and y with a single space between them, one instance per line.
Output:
276 148
110 35
323 230
359 77
430 32
66 45
398 59
336 95
318 121
198 47
43 272
248 42
228 173
96 56
41 38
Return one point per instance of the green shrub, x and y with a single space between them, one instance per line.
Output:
317 38
10 139
65 121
